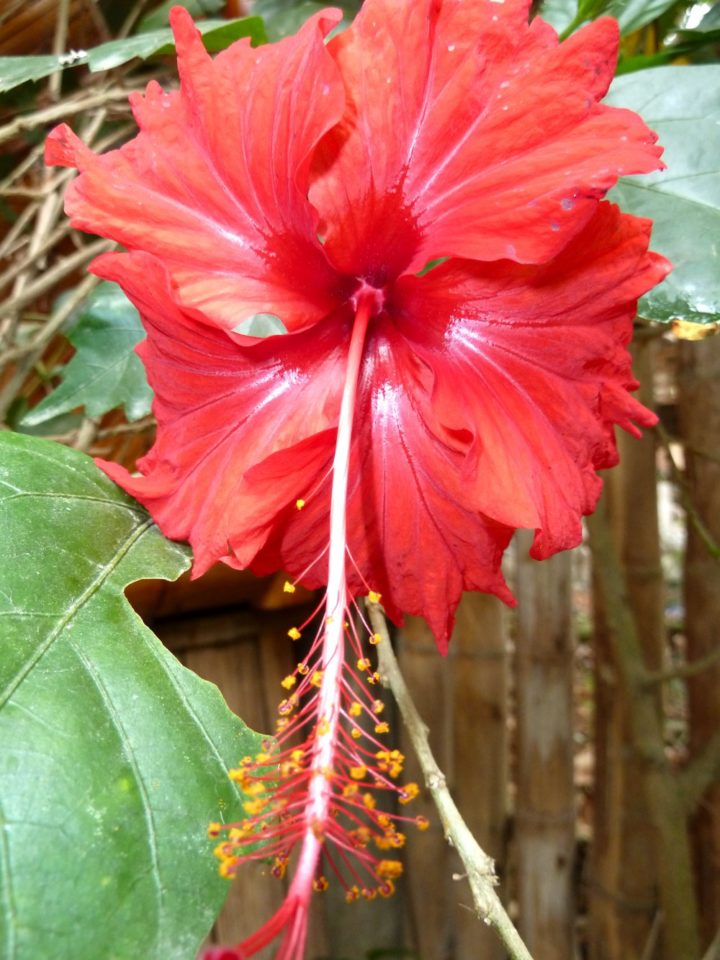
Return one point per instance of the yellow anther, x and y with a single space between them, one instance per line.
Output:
214 830
299 504
323 728
422 823
355 733
382 727
294 633
288 587
374 597
286 706
374 677
281 724
363 664
279 867
228 868
289 682
378 707
355 709
360 838
386 889
320 884
255 789
369 801
350 790
263 757
303 669
375 639
352 895
316 678
236 834
297 756
255 807
409 792
358 773
389 869
238 775
369 894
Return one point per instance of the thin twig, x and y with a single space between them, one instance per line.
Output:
651 944
683 671
51 277
479 866
59 40
61 111
28 355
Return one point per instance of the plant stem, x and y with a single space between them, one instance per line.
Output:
479 866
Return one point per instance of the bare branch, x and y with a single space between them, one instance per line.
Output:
701 773
479 866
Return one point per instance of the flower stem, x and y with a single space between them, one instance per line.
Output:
333 651
480 867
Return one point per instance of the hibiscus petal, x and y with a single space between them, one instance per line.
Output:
491 145
215 184
530 366
224 408
412 537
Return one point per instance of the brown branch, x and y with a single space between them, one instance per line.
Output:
700 773
663 797
683 671
61 111
479 866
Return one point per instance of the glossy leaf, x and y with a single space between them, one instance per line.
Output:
632 15
113 756
682 105
217 35
157 18
105 372
17 70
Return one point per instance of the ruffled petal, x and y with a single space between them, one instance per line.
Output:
469 133
531 371
224 410
412 536
215 184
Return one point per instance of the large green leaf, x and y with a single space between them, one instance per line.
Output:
217 34
568 15
682 105
113 756
105 371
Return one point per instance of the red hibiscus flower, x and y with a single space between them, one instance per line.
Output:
406 421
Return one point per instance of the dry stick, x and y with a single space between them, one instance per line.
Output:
59 41
31 353
61 111
480 867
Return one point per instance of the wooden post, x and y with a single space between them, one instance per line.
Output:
463 701
699 395
545 801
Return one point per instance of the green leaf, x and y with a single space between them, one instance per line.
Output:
113 757
217 34
105 372
157 19
261 325
633 15
17 70
285 17
682 105
559 13
567 15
